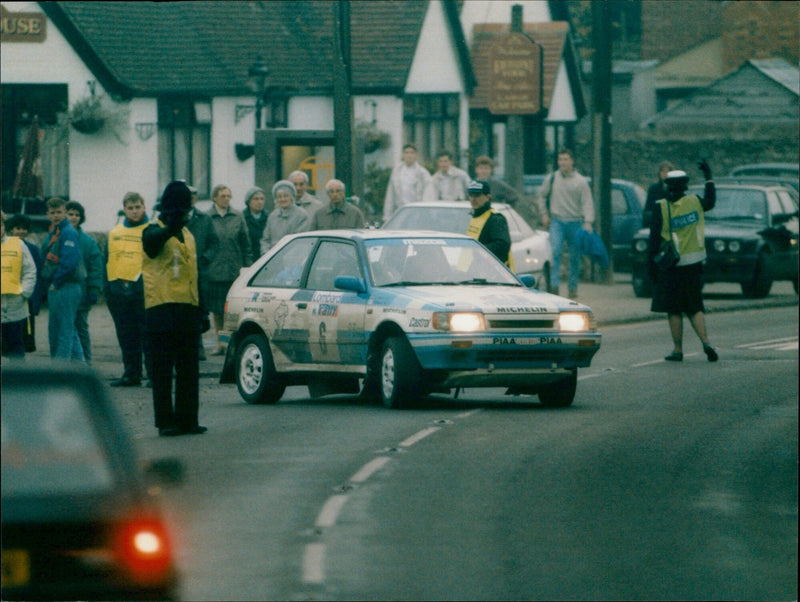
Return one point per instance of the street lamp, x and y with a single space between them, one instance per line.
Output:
257 81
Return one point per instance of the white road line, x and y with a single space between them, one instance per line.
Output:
468 414
314 563
369 469
419 436
769 343
330 511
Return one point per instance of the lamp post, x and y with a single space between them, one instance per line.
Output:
257 81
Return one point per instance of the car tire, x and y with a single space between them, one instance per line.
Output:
559 394
256 378
642 285
400 374
761 282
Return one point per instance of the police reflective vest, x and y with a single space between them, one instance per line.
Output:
171 277
476 227
688 228
11 279
125 252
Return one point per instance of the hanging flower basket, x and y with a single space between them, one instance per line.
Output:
88 115
374 139
88 125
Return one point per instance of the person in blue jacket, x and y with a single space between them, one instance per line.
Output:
63 276
93 260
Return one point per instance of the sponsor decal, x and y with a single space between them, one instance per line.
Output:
393 310
550 340
255 296
504 341
258 310
521 310
326 309
423 241
419 323
327 297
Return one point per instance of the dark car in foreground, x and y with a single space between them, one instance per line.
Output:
750 235
78 522
627 204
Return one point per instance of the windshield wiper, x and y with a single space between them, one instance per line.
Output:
409 283
485 281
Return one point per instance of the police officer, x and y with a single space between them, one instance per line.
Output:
487 225
173 314
679 290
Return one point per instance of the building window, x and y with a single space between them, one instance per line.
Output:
20 104
184 143
431 122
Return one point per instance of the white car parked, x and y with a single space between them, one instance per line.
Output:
530 248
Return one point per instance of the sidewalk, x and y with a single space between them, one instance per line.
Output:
612 304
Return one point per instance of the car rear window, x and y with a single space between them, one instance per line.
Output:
49 444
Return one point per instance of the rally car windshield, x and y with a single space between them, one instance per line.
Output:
434 261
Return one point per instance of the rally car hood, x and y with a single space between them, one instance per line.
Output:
485 298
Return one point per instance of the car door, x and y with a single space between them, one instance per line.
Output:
336 317
274 300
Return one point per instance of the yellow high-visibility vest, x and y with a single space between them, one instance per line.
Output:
171 277
11 263
125 252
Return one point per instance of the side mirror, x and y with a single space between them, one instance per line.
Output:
350 283
527 280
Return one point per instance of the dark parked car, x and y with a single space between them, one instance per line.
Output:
627 203
780 170
751 238
78 521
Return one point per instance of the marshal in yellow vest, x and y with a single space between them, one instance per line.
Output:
125 252
171 277
11 263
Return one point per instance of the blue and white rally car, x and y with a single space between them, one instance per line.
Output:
398 315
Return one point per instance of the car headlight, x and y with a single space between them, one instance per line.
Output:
734 246
574 321
459 321
640 246
719 245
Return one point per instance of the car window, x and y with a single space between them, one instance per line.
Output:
433 261
518 227
332 259
441 219
619 204
774 204
285 268
738 203
49 444
788 203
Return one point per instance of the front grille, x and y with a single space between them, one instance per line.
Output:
533 324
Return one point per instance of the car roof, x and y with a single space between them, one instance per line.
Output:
454 204
742 186
784 166
375 234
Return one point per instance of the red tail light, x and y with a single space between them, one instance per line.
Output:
144 551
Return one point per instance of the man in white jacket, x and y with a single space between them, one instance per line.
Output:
409 183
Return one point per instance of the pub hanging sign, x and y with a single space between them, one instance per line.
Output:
516 76
22 27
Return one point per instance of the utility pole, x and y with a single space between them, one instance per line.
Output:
601 123
515 129
342 102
